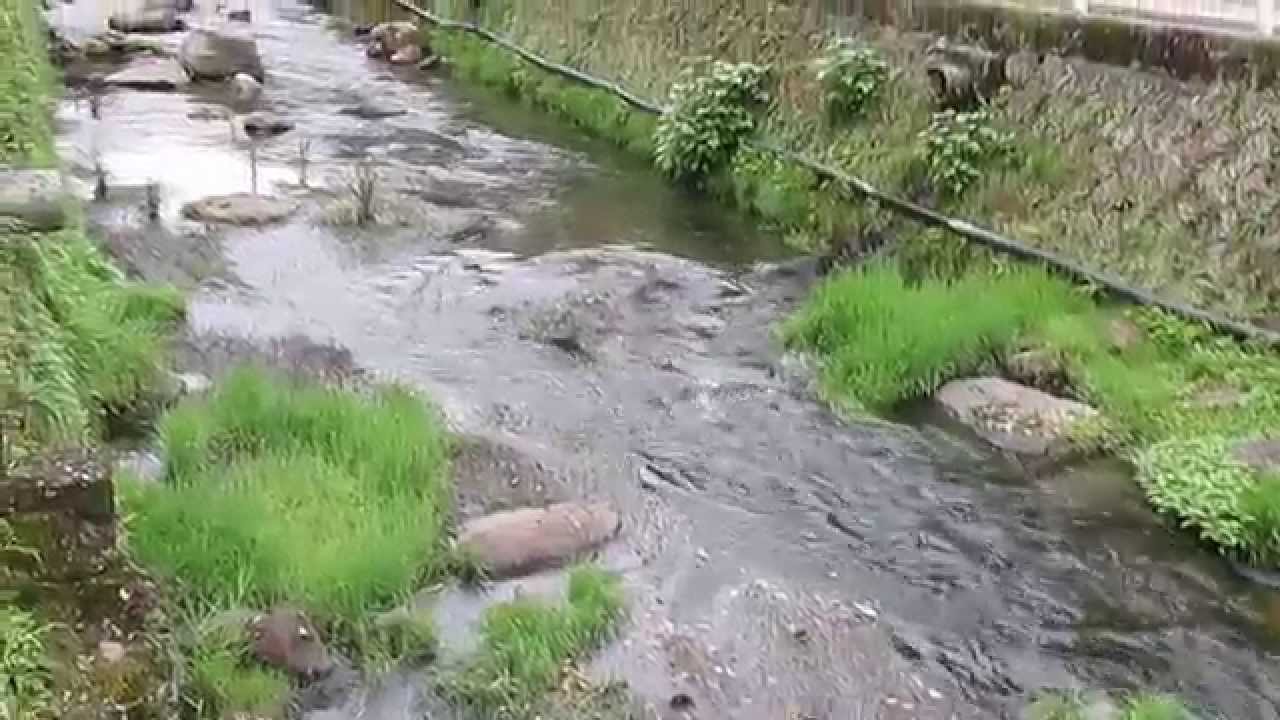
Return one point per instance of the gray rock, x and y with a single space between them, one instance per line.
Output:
704 326
159 74
529 539
153 20
192 383
240 209
1261 455
1014 417
245 91
286 640
33 197
220 53
261 125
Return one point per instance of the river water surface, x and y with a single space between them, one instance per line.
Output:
597 334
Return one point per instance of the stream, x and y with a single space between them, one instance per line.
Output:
594 333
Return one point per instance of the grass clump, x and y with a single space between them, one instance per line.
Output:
277 490
527 645
884 339
225 681
403 635
25 673
1142 706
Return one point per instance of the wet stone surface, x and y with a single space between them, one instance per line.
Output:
596 334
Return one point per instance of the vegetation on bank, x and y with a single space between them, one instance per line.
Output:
527 643
1142 706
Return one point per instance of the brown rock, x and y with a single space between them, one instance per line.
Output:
286 640
239 209
528 539
1014 417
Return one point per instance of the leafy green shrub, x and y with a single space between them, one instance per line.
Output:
710 114
882 339
527 644
278 491
958 146
1194 479
852 77
25 674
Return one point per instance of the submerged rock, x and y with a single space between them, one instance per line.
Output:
220 53
33 197
261 125
162 74
529 539
240 209
373 110
286 640
1014 417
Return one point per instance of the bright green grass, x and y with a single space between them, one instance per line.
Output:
25 674
883 339
277 491
27 87
527 643
1143 706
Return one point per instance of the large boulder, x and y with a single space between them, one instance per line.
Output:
1014 417
389 38
220 53
240 209
529 539
147 20
159 74
35 198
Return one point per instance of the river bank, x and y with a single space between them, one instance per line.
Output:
765 568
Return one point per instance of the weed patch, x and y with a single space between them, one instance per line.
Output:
27 88
279 491
25 675
527 645
225 681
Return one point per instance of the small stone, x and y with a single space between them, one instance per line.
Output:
261 125
703 555
1123 334
239 209
528 539
681 702
111 652
154 74
285 639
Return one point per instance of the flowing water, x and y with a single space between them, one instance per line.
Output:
595 333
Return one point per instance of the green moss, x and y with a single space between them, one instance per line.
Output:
527 644
253 471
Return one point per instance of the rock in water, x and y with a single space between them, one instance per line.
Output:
220 53
373 110
245 91
239 209
1014 417
529 539
261 125
286 640
387 39
407 55
156 20
33 197
160 74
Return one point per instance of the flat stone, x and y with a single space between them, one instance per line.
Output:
159 74
1013 417
1261 455
242 209
153 20
219 53
286 640
522 541
33 197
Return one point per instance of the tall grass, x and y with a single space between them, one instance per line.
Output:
527 644
278 491
884 339
27 87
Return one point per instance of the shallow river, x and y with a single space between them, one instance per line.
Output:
597 334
